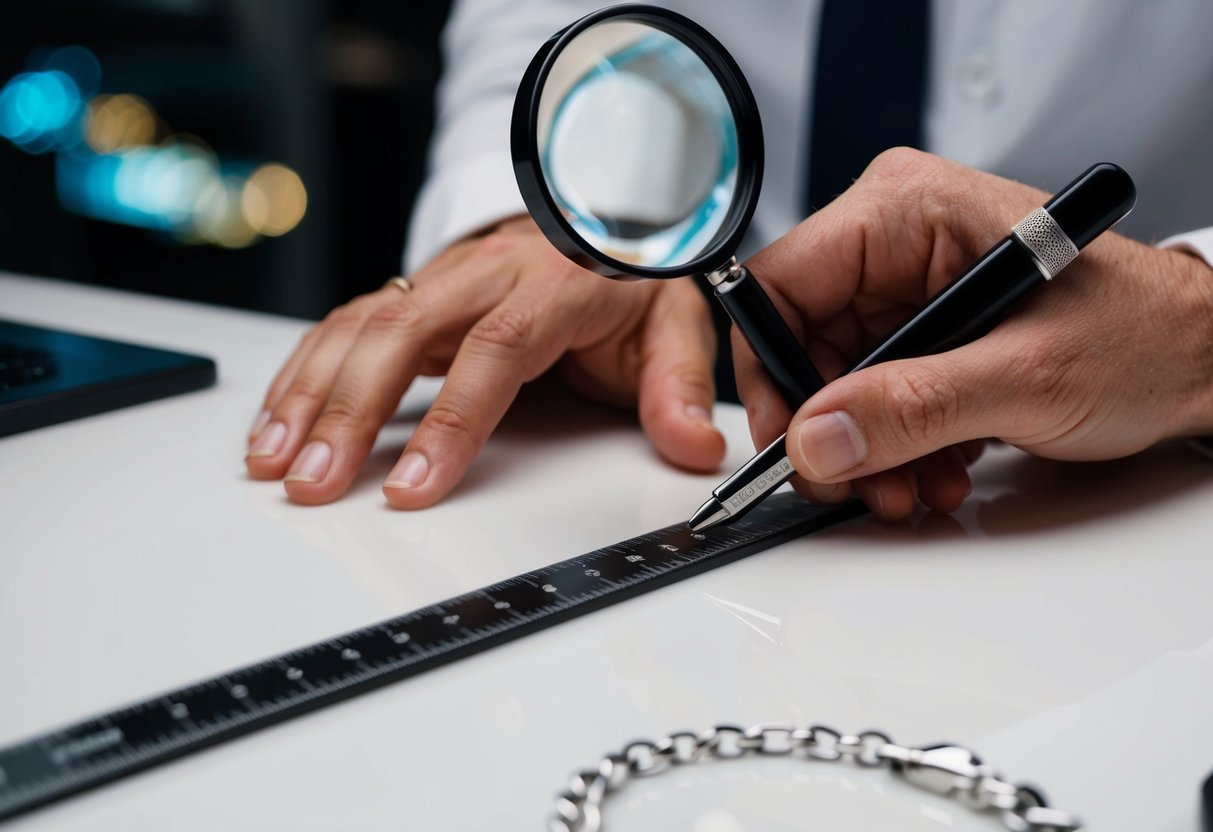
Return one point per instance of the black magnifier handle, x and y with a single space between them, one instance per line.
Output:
1206 805
765 331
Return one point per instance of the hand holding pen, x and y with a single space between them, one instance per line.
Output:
1110 358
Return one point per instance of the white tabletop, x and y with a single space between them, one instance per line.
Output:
1060 624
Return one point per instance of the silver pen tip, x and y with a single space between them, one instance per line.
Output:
710 514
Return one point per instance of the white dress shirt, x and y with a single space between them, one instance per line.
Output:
1034 90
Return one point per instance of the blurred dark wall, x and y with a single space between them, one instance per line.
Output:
342 92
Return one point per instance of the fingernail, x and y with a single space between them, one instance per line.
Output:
311 464
697 413
881 512
263 419
269 441
871 494
831 443
409 472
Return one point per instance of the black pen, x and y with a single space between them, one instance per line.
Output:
1038 248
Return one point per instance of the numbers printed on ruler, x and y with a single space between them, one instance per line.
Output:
68 760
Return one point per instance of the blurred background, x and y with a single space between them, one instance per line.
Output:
262 155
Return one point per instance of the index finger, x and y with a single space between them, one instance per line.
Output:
511 345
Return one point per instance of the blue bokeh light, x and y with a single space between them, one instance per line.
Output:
107 169
75 61
41 111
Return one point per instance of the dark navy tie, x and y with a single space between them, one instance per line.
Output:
870 84
869 88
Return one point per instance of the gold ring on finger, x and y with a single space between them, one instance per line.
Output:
401 283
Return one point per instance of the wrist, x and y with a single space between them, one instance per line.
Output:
1193 278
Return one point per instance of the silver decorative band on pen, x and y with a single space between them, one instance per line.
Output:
1050 247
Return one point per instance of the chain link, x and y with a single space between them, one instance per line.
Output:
948 770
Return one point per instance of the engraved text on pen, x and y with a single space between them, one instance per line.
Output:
761 484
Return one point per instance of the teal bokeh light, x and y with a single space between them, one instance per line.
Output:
158 188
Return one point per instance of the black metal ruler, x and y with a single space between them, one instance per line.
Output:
77 757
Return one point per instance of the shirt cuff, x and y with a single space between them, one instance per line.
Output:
459 200
1198 242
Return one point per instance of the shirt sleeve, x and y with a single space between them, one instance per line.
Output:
487 45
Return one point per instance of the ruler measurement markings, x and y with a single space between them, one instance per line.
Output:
136 736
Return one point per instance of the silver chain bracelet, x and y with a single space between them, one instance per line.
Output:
947 770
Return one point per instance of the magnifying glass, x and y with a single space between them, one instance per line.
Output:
637 147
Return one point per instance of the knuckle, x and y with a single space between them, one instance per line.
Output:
695 379
922 405
447 419
909 175
1043 378
304 392
344 318
692 383
342 410
400 318
508 330
899 162
555 267
495 244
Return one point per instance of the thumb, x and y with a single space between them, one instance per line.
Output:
892 413
676 388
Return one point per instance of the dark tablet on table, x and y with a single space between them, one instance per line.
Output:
49 376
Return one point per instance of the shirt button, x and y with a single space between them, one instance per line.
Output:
979 78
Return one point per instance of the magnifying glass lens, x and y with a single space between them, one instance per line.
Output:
637 144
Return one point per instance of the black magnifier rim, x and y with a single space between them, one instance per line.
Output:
524 145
